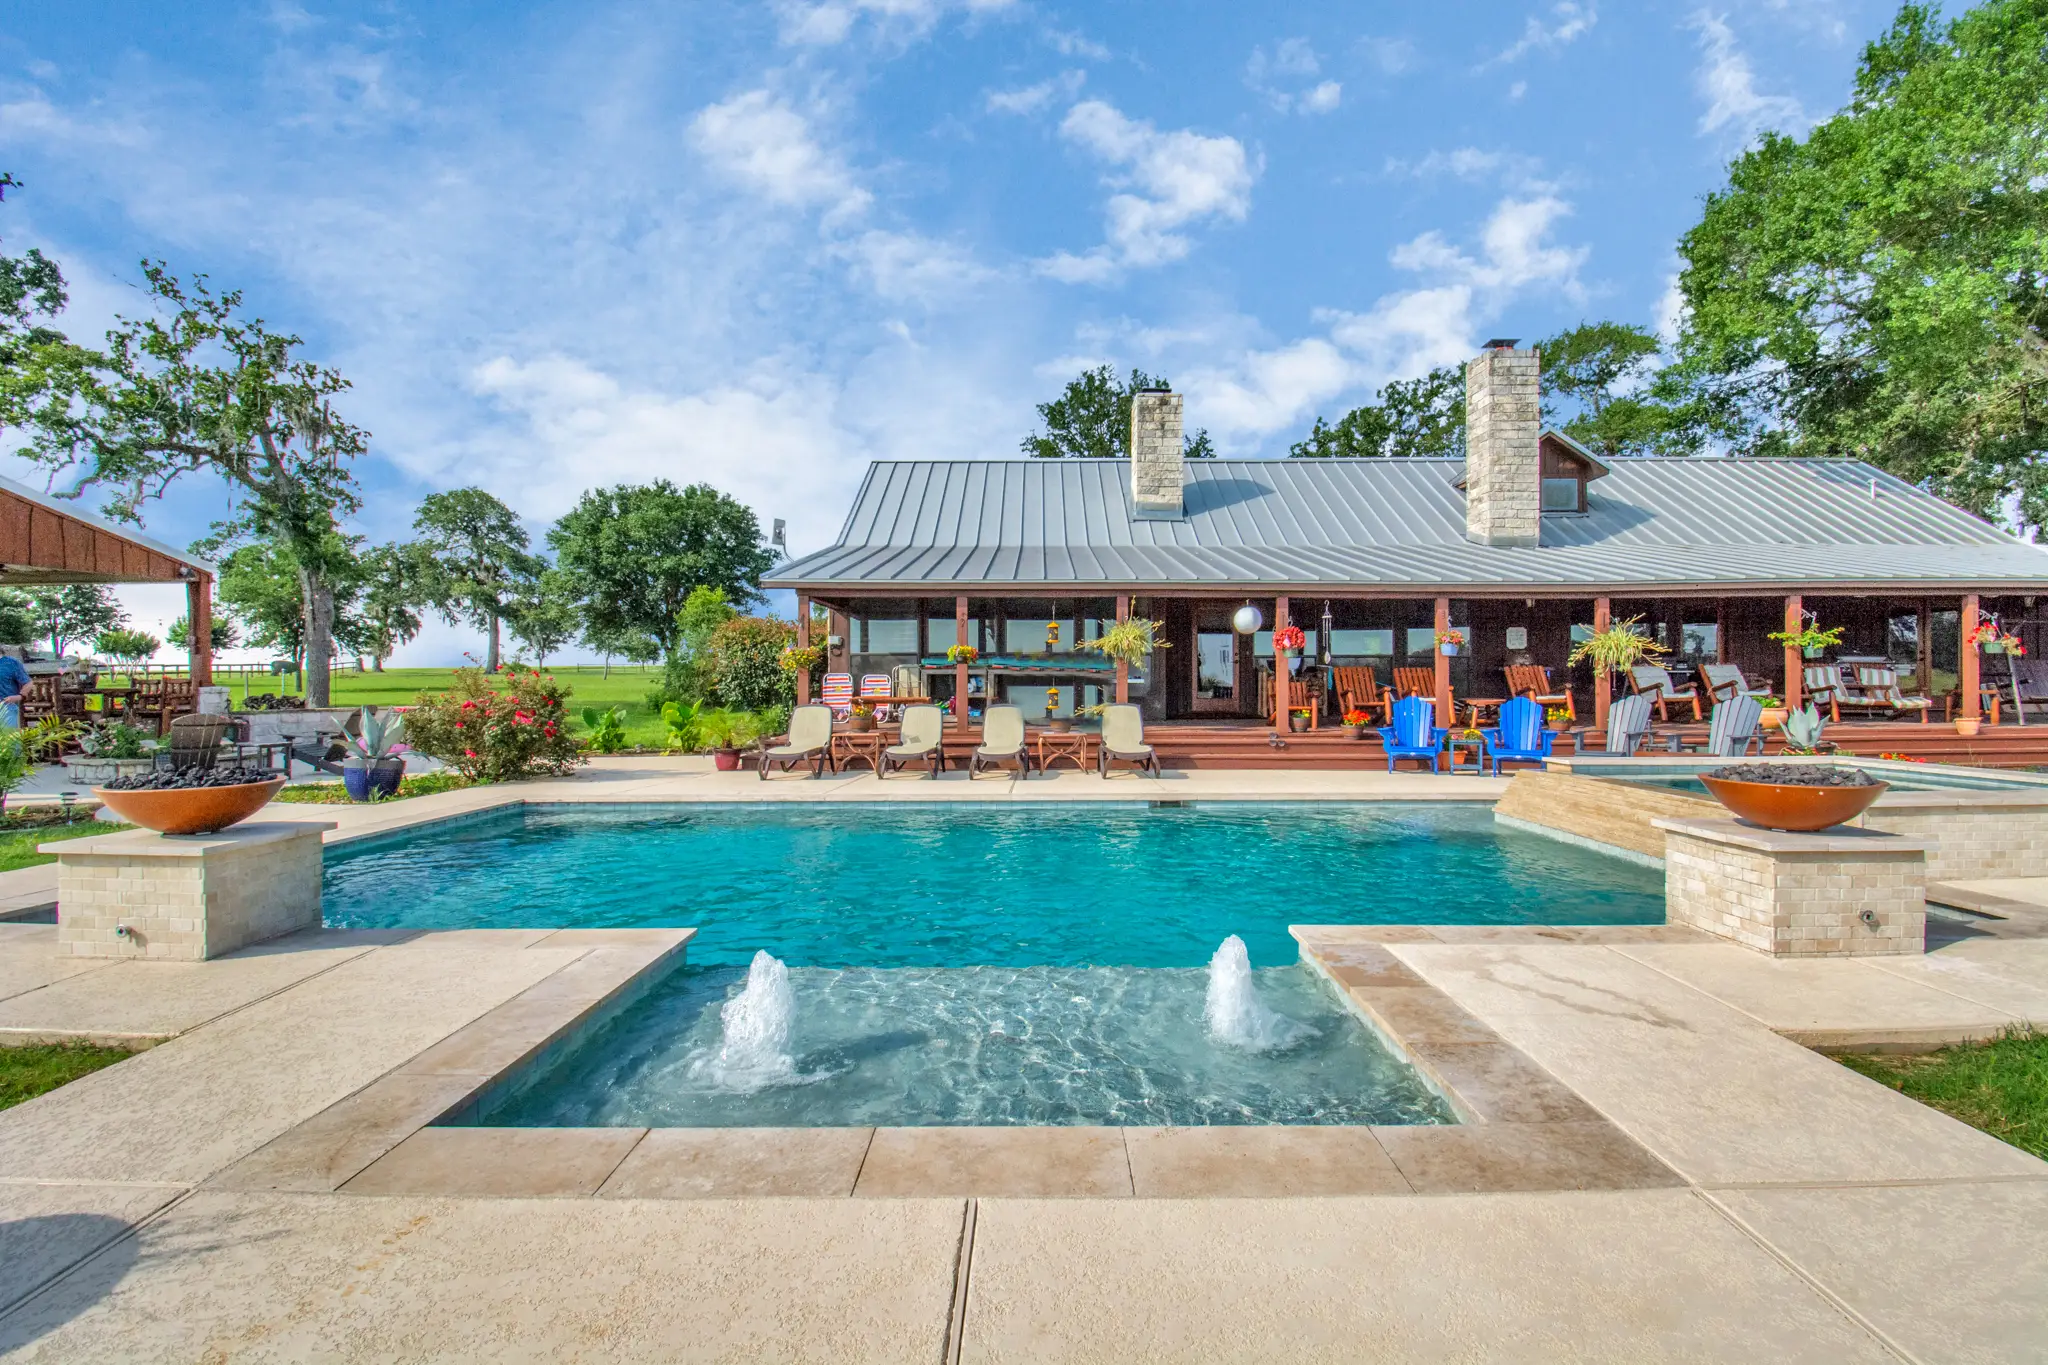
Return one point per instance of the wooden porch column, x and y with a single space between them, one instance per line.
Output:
1603 682
199 613
1280 676
1442 661
1795 678
1720 631
1923 650
803 641
960 667
1966 662
1123 666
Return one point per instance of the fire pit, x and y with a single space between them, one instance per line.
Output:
191 801
1800 797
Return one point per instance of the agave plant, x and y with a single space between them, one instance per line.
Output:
380 734
1802 731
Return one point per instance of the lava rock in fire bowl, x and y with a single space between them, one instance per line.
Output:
1800 797
190 800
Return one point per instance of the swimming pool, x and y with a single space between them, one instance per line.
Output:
871 885
1936 779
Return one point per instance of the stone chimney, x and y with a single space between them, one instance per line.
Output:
1158 459
1503 427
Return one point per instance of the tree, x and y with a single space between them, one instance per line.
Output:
19 622
743 663
261 580
74 612
1091 419
686 678
635 552
396 583
480 561
1424 416
1879 288
206 390
547 615
1604 386
223 633
631 645
126 646
41 372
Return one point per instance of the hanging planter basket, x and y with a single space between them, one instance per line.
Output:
1812 652
1450 649
1993 646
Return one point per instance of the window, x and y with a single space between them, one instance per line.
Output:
1421 641
888 637
1362 644
1564 495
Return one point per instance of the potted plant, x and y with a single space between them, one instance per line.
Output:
1289 641
1773 713
1993 638
1810 640
1557 718
108 751
1357 723
861 717
1450 641
961 654
725 733
1299 721
1128 642
372 770
1617 649
1967 726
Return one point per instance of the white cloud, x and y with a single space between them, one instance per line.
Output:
908 266
1568 22
830 22
1390 56
1475 165
1728 85
760 141
1070 44
1516 91
1669 314
1283 78
1164 182
1029 99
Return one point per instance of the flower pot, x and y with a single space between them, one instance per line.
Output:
728 760
1800 809
1355 732
1450 650
1559 727
1967 726
190 810
863 721
1772 717
1993 646
371 779
1812 653
1290 654
1298 724
1059 725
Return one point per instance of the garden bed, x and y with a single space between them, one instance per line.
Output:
332 794
21 831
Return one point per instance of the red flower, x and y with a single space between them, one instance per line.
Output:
549 730
469 753
523 717
469 706
458 725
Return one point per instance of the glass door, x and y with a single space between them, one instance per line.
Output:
1216 682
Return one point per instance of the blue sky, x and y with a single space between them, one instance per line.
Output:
560 245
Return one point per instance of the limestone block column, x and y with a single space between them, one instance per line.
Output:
187 898
1839 893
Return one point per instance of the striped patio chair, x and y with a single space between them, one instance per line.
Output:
1823 682
838 694
1879 684
1654 681
876 685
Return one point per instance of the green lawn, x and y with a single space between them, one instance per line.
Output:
588 686
1999 1086
18 846
334 794
26 1072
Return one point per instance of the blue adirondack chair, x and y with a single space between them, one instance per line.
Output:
1520 736
1414 733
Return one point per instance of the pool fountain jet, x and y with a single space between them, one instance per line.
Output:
1236 1018
753 1053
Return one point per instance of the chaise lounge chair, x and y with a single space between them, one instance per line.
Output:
1654 681
810 741
1414 733
924 736
1123 740
1519 737
1002 741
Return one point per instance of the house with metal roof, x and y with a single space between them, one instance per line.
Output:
1512 554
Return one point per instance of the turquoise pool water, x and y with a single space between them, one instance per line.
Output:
850 885
980 1046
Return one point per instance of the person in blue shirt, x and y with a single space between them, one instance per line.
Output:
13 682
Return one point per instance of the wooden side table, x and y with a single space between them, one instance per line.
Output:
1453 743
1054 745
858 746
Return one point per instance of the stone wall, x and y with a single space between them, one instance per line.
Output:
1158 457
1836 894
1503 462
1617 814
146 895
1972 834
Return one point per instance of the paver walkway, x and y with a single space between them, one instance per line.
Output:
1825 1218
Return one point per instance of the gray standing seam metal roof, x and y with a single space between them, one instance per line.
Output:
1399 525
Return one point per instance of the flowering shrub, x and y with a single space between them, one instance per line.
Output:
743 665
492 728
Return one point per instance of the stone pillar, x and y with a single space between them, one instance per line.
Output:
1503 430
1840 893
189 898
1158 456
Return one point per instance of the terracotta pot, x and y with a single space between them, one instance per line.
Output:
1801 809
1357 732
1773 717
862 721
191 810
728 760
1298 724
1059 725
1967 727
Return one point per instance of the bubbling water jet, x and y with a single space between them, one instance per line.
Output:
1236 1016
753 1052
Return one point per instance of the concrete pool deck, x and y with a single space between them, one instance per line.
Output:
1809 1214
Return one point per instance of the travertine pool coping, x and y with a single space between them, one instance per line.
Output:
410 1132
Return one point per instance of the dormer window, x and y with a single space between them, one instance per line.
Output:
1567 468
1564 494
